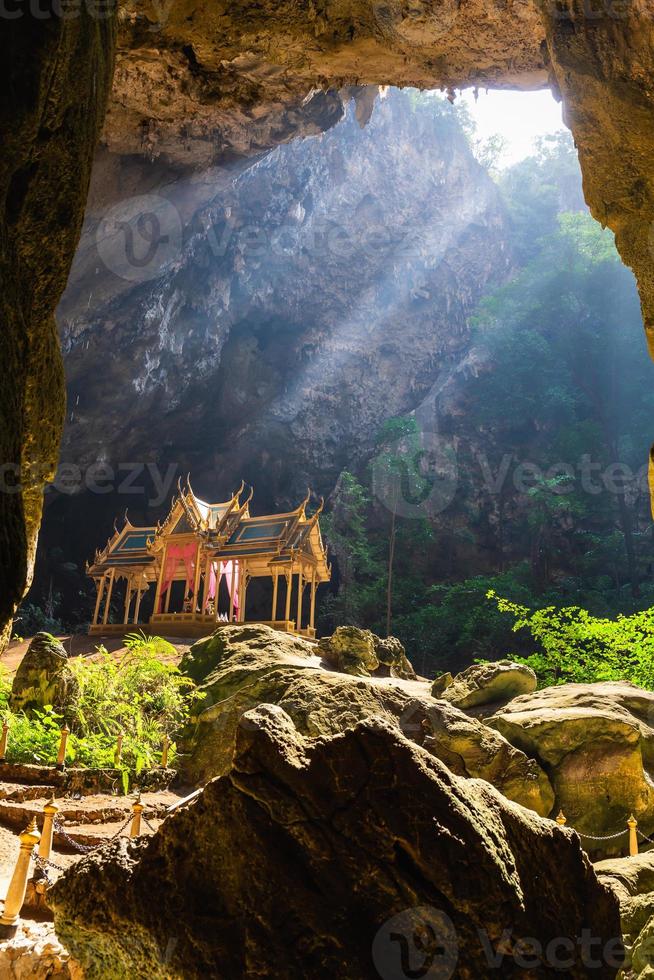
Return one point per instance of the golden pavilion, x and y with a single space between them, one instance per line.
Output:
200 562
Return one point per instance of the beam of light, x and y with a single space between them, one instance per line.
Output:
519 117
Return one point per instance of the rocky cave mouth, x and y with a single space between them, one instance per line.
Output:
286 275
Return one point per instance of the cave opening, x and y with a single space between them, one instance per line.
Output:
291 276
350 302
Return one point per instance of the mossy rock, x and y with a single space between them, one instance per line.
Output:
44 678
393 661
441 684
253 665
350 650
493 683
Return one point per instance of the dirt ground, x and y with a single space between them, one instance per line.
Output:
81 645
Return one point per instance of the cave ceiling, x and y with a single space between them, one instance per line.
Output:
200 84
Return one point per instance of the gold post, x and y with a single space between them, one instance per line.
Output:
274 601
119 750
561 820
3 740
137 810
289 588
18 884
110 586
101 585
312 612
164 752
61 754
632 823
217 596
50 811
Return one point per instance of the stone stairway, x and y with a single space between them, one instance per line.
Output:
85 819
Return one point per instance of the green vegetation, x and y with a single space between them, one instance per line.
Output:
139 695
573 646
550 443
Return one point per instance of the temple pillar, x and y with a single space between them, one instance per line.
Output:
196 578
241 591
274 599
217 597
157 595
128 599
205 591
232 593
300 590
170 589
312 613
139 595
100 586
288 575
112 575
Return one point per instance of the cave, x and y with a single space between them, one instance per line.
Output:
141 146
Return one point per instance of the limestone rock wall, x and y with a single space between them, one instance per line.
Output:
55 79
320 292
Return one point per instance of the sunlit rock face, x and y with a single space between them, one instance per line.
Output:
323 291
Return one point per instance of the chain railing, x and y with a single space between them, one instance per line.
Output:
631 830
42 860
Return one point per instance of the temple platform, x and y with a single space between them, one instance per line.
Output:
193 625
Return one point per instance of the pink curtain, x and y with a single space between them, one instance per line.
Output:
214 582
176 553
230 571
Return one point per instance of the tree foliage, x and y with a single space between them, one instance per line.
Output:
574 646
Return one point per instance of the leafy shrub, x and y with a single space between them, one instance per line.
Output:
139 696
575 646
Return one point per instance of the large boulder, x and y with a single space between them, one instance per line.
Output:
256 664
491 683
596 742
632 881
350 650
393 661
44 678
354 856
363 653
